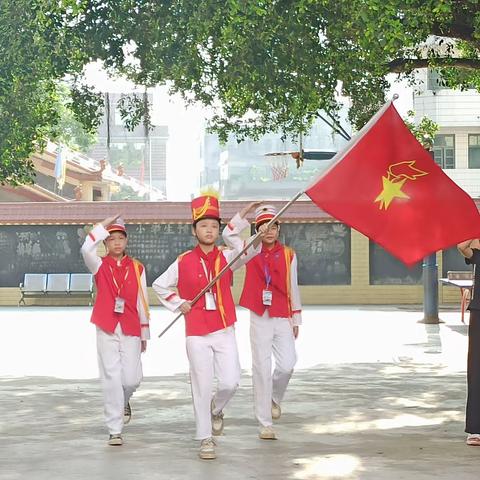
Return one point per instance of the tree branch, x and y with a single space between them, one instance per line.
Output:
403 65
336 127
345 134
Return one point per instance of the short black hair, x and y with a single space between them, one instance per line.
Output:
194 224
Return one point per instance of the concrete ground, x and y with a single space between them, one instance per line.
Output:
376 396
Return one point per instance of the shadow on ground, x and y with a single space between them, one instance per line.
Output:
367 420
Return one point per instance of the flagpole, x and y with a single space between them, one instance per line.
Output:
226 267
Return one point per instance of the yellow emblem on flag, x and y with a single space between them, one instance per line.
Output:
397 175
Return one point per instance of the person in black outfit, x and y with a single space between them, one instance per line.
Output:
470 249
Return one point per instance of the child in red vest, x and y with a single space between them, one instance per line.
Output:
211 344
271 294
121 316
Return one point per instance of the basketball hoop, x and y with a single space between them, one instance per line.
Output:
278 166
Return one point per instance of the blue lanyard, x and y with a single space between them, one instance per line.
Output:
266 271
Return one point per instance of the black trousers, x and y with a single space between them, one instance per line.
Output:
473 374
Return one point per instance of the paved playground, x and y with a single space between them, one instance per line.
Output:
376 396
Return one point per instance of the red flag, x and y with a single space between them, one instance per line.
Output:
387 186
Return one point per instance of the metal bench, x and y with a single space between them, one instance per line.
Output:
34 285
42 285
81 284
57 284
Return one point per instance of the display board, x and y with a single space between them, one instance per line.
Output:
157 246
385 269
39 249
323 252
56 249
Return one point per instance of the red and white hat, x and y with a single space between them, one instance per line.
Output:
264 214
117 226
206 206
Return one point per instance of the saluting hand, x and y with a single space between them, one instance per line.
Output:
249 208
109 220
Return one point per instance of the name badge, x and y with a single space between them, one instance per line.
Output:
267 297
119 305
210 301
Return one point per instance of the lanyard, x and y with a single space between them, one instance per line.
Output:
119 288
208 274
266 271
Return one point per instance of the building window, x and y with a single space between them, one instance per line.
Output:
434 80
444 151
118 117
474 151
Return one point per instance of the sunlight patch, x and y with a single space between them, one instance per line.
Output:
400 421
328 466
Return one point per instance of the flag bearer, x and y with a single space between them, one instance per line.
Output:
470 249
271 294
209 323
121 316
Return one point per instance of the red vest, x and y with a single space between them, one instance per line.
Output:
275 263
192 279
103 315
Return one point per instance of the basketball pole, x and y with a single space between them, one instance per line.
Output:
237 257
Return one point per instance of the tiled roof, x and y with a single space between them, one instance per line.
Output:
137 212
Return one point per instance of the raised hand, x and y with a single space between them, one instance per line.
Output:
109 220
249 208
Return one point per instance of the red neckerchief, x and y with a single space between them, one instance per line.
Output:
209 258
276 246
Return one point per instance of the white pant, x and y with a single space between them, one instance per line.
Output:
270 335
120 366
210 356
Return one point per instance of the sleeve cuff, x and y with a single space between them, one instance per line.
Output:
238 223
145 332
296 319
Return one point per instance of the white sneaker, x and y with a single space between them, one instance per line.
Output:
267 433
115 440
473 439
207 449
276 411
217 421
